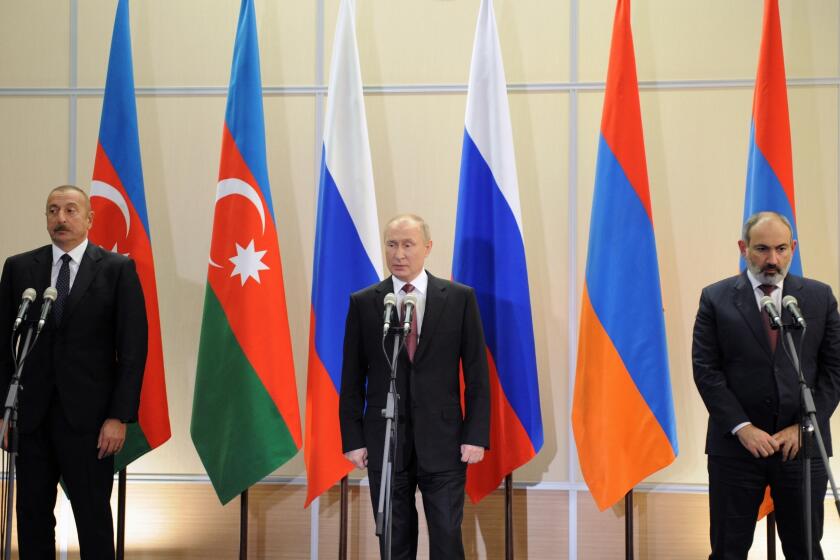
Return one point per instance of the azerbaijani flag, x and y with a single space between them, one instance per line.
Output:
118 198
245 418
623 413
770 163
490 256
347 253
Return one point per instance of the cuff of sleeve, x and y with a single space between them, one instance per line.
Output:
739 426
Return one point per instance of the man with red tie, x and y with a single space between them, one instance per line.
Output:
751 389
437 438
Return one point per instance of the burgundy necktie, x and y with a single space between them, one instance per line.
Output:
772 334
411 341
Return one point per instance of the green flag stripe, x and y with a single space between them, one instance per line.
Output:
135 446
236 428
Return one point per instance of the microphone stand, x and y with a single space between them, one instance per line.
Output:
808 425
384 510
10 415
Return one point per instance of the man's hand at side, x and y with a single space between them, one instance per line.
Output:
757 441
111 437
788 441
358 457
471 453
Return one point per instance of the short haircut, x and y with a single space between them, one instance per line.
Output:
65 188
427 234
759 216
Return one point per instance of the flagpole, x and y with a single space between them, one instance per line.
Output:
628 525
121 483
243 525
509 517
342 527
771 536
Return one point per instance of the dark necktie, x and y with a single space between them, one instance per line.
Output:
411 341
62 286
772 334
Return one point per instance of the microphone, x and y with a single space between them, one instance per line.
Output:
410 303
770 307
790 303
390 302
27 298
49 297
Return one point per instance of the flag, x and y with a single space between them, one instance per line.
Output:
118 199
245 418
489 255
347 253
623 412
770 163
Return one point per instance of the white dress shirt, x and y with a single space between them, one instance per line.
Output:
421 287
76 255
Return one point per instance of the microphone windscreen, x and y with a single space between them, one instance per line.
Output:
765 300
390 299
29 294
410 299
50 294
788 300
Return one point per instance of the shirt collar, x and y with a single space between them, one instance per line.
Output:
420 283
756 283
76 253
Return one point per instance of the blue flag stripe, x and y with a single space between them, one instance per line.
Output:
118 133
341 267
622 252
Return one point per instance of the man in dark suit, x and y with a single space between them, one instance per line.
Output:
81 383
437 439
751 390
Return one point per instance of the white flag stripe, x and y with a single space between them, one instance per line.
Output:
346 146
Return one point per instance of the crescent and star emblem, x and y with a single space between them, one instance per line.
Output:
247 262
108 192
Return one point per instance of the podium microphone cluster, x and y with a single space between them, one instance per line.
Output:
790 303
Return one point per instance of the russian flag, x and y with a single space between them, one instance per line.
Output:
770 164
347 253
118 198
489 255
623 413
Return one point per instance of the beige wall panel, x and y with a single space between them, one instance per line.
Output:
431 42
711 40
813 119
34 44
33 157
180 143
190 42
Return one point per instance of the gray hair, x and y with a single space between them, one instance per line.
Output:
427 234
760 216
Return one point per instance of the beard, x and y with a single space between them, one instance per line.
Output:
769 274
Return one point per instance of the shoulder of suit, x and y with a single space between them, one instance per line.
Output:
810 283
726 284
45 250
456 287
373 289
100 252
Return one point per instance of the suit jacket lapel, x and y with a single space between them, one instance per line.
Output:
41 270
435 302
744 301
87 270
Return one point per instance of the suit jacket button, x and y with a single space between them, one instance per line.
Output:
768 402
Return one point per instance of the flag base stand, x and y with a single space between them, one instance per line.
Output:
628 525
342 524
243 525
509 517
121 483
771 536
